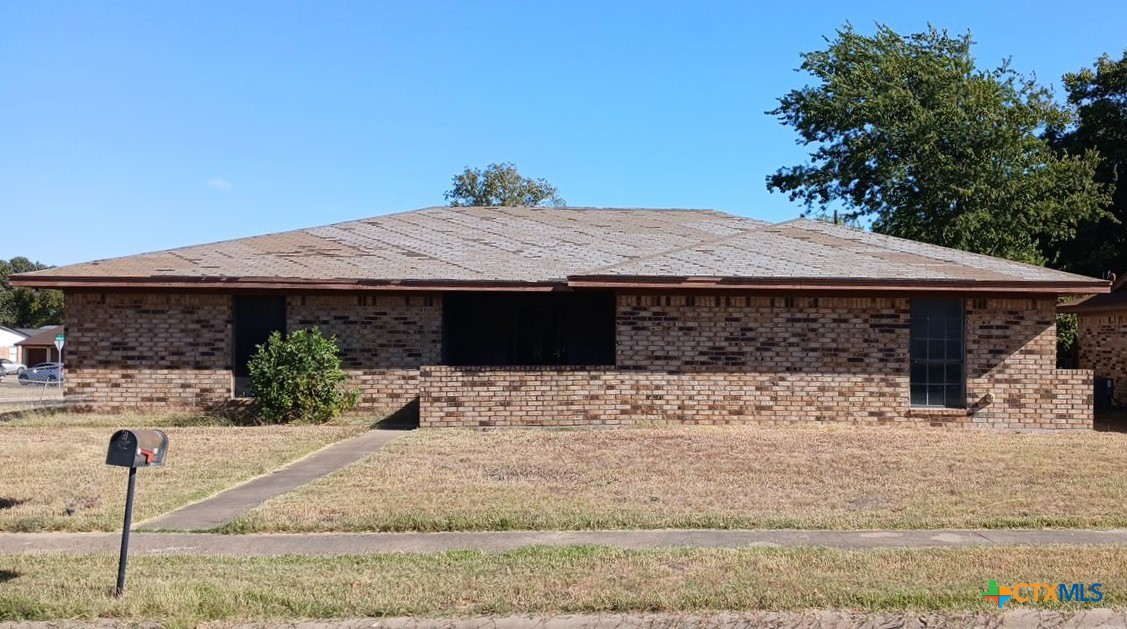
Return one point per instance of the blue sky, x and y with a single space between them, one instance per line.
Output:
135 126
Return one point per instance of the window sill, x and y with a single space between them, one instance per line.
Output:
932 411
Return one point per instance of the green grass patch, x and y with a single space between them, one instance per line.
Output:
185 590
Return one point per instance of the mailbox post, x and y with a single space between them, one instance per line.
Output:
133 449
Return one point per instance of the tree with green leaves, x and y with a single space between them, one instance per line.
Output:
500 184
1099 95
906 132
25 307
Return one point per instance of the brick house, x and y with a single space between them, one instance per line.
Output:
1102 336
8 339
534 316
40 346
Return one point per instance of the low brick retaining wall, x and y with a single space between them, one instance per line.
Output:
598 395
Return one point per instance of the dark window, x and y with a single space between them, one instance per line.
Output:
528 329
255 319
937 377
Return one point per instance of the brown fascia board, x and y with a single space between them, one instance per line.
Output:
608 282
842 284
1085 305
1080 310
1081 307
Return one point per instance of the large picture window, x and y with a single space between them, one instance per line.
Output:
937 377
496 329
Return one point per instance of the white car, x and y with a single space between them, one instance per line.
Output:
11 367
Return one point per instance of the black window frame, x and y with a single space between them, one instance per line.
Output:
937 354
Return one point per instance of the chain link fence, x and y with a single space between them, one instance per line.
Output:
30 390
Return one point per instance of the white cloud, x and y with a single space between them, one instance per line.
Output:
218 183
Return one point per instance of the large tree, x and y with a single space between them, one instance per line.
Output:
24 307
907 132
1099 95
500 184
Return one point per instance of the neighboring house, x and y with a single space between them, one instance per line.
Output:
8 339
566 316
1102 336
40 346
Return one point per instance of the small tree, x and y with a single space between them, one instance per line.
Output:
501 184
297 377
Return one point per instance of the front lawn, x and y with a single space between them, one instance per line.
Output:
182 590
53 475
839 477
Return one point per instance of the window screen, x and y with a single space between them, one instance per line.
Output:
937 377
255 319
528 328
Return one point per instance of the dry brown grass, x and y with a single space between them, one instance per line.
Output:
180 590
53 474
716 477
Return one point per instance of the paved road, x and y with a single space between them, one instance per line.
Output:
231 503
363 543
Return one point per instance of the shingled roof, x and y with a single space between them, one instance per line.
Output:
544 248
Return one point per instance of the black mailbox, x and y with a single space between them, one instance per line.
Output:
133 449
137 448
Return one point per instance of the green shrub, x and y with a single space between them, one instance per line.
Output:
1067 345
297 378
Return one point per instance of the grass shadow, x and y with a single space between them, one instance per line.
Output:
87 418
1111 420
8 503
12 415
7 575
406 418
235 412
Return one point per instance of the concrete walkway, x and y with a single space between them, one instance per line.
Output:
231 503
364 543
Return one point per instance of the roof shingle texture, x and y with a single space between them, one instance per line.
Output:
517 244
43 336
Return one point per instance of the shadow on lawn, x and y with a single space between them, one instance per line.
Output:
1112 420
406 418
7 575
8 503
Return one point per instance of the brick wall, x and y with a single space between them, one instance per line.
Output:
384 339
761 334
137 351
1103 348
1012 353
701 359
723 359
